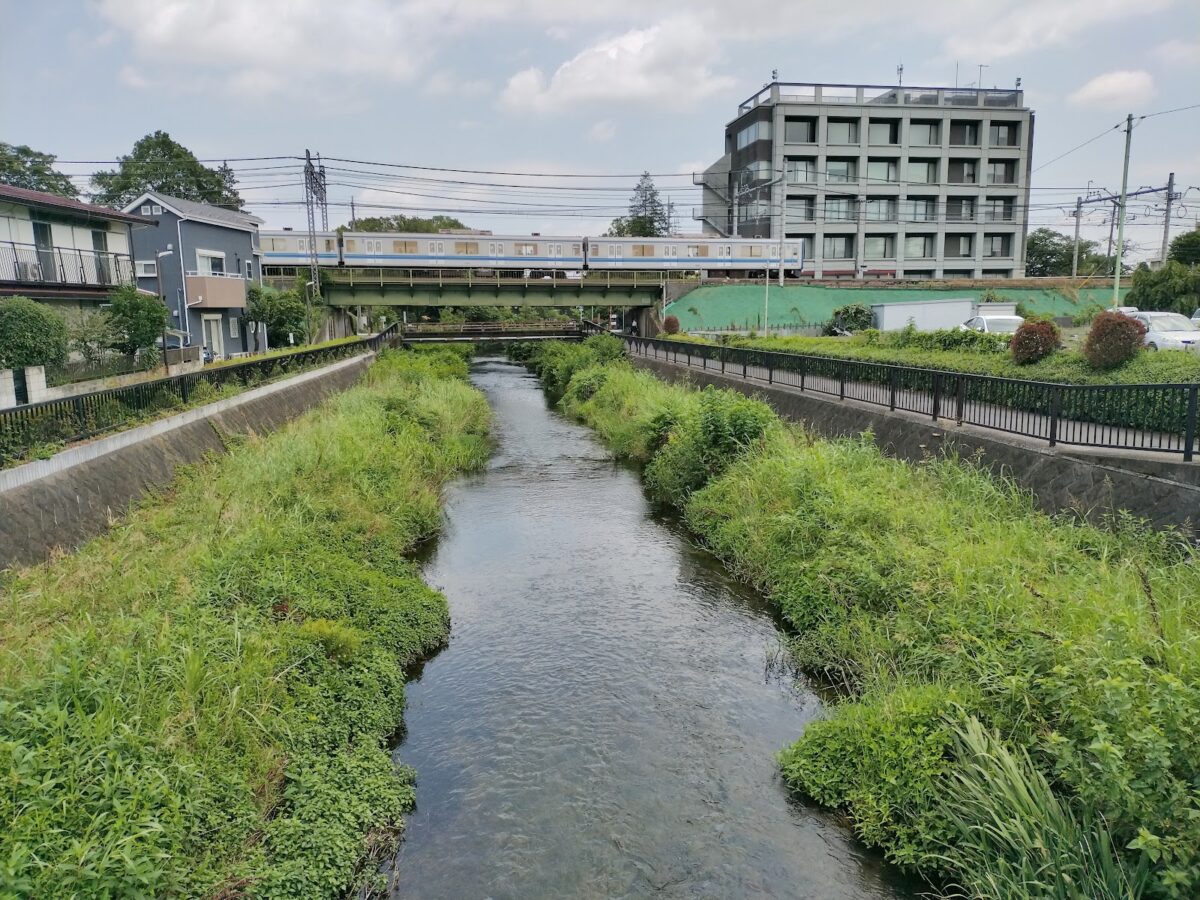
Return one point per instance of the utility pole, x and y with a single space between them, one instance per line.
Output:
1167 221
1121 213
352 221
1075 256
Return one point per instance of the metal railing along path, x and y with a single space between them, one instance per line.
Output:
1139 417
86 415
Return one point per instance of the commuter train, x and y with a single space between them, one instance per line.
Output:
541 253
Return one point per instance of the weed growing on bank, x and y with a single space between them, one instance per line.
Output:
199 702
992 660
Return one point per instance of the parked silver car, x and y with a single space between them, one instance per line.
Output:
993 324
1168 331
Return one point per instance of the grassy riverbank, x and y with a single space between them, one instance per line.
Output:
1020 706
199 703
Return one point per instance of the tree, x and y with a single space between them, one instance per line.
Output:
158 163
1186 248
24 167
647 217
31 334
1049 253
283 312
138 320
1173 288
91 334
406 224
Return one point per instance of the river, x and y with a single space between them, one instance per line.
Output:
604 720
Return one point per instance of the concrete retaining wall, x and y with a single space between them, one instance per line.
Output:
1164 492
63 501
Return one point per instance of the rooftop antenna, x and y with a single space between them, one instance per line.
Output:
979 81
956 73
900 75
774 75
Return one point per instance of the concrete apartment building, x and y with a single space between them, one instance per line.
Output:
878 182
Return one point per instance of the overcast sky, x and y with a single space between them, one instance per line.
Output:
564 87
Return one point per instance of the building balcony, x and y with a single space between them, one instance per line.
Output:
29 264
210 291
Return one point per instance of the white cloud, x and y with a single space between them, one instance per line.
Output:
668 61
1122 89
604 130
1179 53
131 77
445 84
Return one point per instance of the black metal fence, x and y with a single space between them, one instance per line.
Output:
24 428
1147 417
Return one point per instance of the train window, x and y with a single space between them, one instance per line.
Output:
595 250
466 248
671 250
643 249
694 250
524 248
437 247
328 245
301 244
774 251
404 246
754 250
574 249
727 250
351 245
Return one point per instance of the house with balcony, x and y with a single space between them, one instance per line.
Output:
200 259
64 252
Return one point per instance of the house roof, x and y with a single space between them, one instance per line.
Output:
43 200
199 212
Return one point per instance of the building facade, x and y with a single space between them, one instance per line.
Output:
878 182
63 252
200 260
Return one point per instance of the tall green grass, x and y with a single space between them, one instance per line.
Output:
933 596
198 703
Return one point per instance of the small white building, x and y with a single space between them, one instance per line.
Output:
932 315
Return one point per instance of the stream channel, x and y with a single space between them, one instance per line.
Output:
605 718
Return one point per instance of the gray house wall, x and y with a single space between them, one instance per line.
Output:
186 237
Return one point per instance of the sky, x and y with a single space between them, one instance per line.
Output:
550 90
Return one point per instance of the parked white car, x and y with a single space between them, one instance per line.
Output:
993 324
1168 331
1196 317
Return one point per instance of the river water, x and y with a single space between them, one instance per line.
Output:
604 720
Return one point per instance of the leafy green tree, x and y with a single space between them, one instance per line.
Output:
138 320
31 334
1186 248
91 334
647 216
407 224
24 167
158 163
283 312
1049 253
1173 288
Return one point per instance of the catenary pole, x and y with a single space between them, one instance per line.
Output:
1116 301
1166 241
1075 255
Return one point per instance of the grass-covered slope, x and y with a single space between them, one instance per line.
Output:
198 703
1020 705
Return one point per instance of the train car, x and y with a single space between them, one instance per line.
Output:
463 251
285 247
696 254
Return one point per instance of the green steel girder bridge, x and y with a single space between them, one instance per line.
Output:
346 286
480 332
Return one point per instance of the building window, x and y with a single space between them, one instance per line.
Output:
998 209
233 327
920 209
838 246
924 134
1003 172
880 209
997 245
1003 134
918 246
146 209
883 131
839 209
799 130
841 171
964 134
755 131
883 170
800 209
959 246
842 131
210 262
249 270
879 246
960 209
801 170
146 268
922 171
963 171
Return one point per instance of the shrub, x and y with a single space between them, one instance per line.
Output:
31 334
1113 339
853 317
671 325
137 319
1034 340
941 339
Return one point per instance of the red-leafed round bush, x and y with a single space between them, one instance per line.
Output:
671 325
1114 339
1035 339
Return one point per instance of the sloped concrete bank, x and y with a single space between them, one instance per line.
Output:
63 501
1165 492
